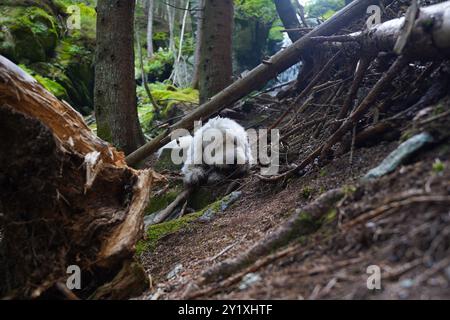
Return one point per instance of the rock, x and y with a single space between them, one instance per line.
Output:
407 283
175 271
248 280
399 155
447 272
220 206
28 33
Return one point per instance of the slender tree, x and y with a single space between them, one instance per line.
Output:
115 87
197 16
171 20
151 7
215 64
288 16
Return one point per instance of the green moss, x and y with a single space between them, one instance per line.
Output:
104 131
349 190
52 86
158 68
438 109
158 231
31 32
330 216
306 192
323 173
307 223
167 97
408 134
438 166
275 33
160 202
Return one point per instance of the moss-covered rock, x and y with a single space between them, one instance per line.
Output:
173 101
160 202
158 231
34 34
29 33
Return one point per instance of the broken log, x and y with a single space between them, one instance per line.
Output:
67 198
428 39
256 78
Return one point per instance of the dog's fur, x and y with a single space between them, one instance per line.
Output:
239 150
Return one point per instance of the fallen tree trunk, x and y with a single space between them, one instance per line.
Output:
66 198
429 37
256 78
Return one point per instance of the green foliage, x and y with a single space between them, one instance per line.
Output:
160 202
275 33
34 34
323 8
158 68
438 166
54 87
88 18
263 10
27 33
306 192
167 96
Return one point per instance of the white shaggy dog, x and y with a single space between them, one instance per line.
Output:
177 144
217 150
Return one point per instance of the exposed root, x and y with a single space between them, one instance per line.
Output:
304 222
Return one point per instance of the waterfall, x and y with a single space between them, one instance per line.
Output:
291 73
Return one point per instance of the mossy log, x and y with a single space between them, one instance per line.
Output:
66 198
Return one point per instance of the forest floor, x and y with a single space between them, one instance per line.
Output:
408 240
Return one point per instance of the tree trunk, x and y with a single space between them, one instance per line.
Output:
150 50
216 66
115 87
67 199
287 14
171 21
256 78
198 13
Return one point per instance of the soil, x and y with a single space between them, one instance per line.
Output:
404 229
415 237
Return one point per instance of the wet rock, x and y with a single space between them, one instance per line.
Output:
407 283
248 280
220 206
175 271
399 155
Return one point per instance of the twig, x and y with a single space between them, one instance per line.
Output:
361 68
308 89
160 217
338 38
66 292
390 207
385 81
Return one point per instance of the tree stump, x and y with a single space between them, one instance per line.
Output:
67 198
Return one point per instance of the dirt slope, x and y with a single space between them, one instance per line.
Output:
410 243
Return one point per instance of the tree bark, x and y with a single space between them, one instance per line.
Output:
198 41
67 198
171 21
256 78
216 66
115 88
150 50
287 14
